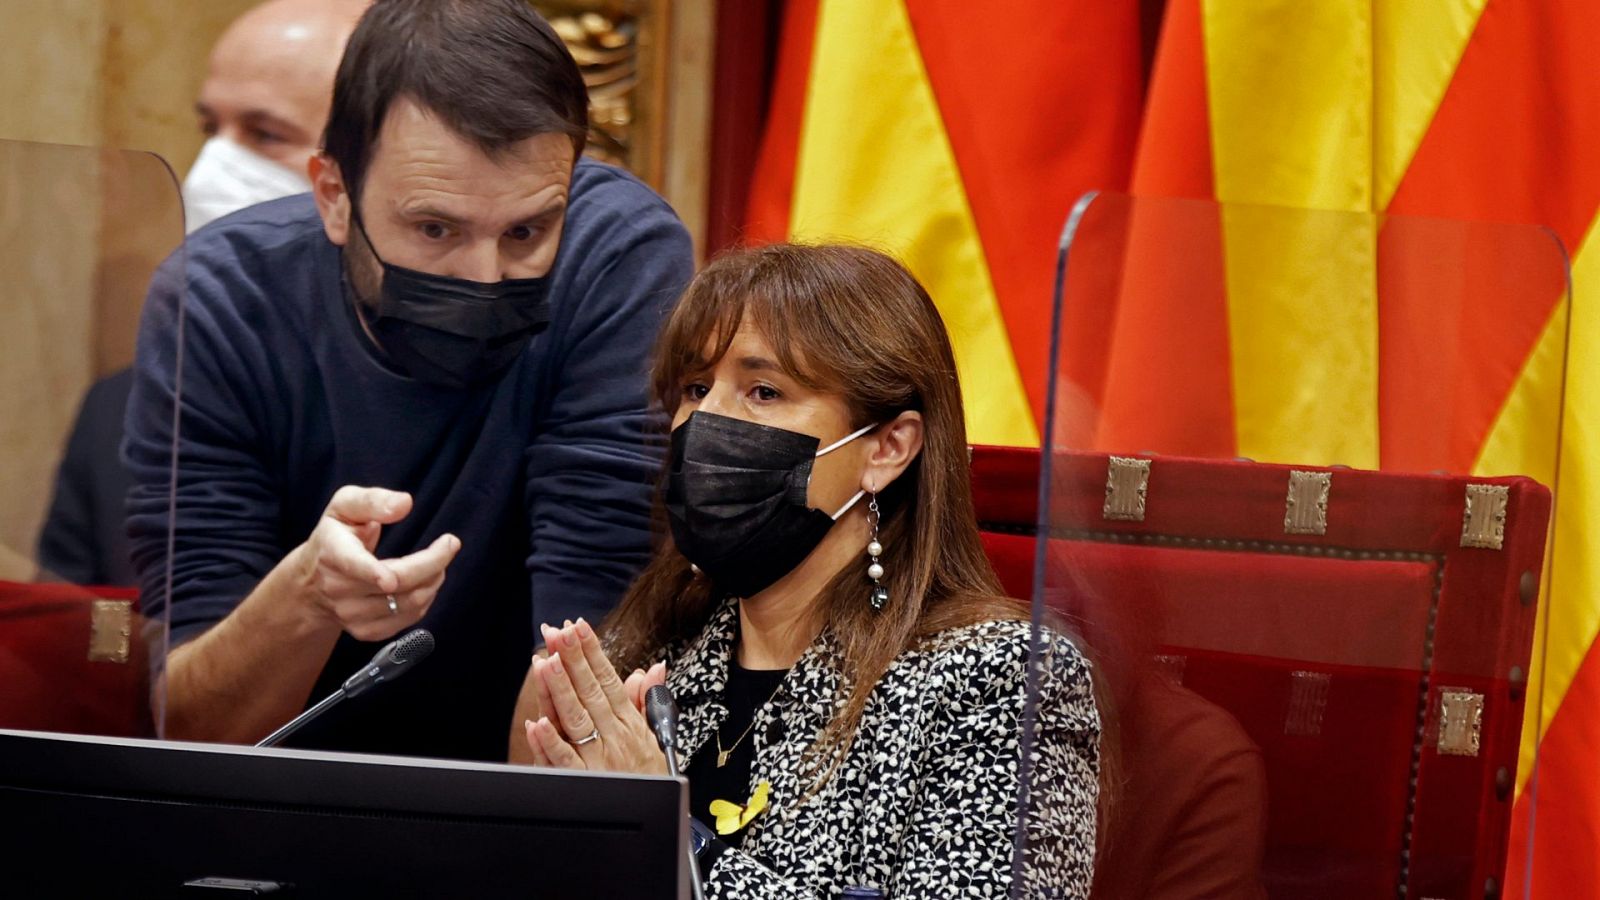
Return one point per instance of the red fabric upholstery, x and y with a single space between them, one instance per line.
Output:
1330 651
51 683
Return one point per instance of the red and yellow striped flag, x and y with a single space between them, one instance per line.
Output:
956 136
1466 109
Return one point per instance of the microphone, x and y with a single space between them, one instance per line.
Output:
661 711
392 661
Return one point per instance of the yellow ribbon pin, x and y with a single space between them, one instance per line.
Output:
731 816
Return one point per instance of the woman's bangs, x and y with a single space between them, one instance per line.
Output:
793 342
707 314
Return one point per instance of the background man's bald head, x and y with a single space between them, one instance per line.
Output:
271 73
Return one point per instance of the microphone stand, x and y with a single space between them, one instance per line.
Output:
662 714
391 661
695 883
293 725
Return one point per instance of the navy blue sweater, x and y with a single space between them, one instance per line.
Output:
545 474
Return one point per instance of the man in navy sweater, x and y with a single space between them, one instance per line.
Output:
416 396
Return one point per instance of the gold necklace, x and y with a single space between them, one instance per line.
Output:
722 755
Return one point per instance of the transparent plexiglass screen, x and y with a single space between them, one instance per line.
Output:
85 230
1296 489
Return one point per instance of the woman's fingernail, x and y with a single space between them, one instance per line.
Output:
555 664
527 724
584 629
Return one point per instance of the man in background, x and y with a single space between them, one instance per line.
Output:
263 104
262 108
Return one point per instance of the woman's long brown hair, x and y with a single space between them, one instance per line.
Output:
851 321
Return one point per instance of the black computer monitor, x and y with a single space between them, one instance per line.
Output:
105 817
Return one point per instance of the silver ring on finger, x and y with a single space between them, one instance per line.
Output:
394 605
593 736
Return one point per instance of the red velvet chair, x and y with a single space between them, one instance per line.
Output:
1369 632
73 659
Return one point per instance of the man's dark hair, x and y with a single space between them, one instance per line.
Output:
493 71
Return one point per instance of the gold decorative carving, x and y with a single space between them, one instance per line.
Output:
110 630
617 46
1307 508
1127 484
1172 666
1308 700
1460 721
1484 523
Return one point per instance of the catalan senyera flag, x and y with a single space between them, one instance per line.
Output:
1467 109
956 136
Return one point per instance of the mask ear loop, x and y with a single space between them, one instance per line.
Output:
846 508
836 445
845 440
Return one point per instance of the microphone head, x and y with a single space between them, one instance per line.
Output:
659 705
391 661
412 648
661 711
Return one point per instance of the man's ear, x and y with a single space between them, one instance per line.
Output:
333 201
898 442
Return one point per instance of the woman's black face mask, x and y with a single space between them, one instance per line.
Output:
736 499
454 332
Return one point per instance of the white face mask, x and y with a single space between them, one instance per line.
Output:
226 177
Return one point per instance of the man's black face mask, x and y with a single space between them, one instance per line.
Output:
454 332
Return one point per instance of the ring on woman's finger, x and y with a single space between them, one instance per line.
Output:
394 605
593 736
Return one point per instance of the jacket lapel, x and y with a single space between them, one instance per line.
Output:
699 677
783 730
786 729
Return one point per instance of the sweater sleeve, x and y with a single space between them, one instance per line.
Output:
597 448
193 397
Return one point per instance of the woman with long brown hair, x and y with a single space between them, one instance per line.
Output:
852 683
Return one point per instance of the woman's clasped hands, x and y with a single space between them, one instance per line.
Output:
592 719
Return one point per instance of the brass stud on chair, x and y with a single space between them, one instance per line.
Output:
1528 588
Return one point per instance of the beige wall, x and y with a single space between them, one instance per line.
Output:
152 63
80 231
118 73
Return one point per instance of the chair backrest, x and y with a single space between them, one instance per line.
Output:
73 659
1375 654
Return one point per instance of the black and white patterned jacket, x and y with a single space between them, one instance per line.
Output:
924 805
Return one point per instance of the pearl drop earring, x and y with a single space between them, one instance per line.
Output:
880 594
